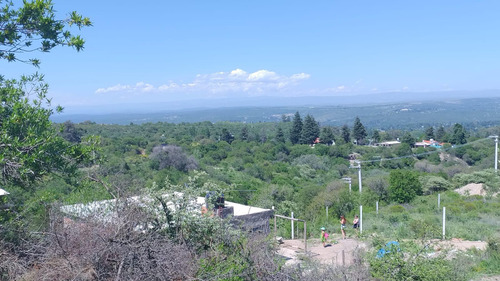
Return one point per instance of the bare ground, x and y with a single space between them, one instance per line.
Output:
293 250
471 189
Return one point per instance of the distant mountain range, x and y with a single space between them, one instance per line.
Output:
389 110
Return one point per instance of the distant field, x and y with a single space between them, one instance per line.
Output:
470 112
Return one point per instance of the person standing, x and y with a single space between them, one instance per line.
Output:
343 221
324 236
355 223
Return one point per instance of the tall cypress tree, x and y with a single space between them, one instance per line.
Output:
358 131
296 131
310 130
346 134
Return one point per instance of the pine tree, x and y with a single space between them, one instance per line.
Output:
296 131
459 134
429 133
327 135
346 134
310 130
244 133
358 131
280 136
441 134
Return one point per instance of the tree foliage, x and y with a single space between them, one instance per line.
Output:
34 27
459 135
429 133
70 132
408 139
164 156
376 136
296 130
226 136
310 130
30 146
327 136
280 136
358 131
441 134
404 185
346 134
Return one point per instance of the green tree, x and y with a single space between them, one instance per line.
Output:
408 139
404 185
310 130
34 27
459 134
376 136
358 131
226 136
280 136
346 134
327 136
71 133
296 130
429 133
31 148
441 134
244 133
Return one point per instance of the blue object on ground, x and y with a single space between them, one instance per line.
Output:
387 248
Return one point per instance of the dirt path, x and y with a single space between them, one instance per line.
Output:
293 250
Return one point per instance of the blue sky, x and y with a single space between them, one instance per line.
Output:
161 51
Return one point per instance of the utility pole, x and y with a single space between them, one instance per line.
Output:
359 173
348 180
496 151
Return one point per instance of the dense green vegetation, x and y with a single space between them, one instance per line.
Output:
257 164
271 164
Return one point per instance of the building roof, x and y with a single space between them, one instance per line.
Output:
105 210
3 192
430 142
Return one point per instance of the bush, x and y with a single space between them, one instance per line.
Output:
431 184
172 156
404 186
395 209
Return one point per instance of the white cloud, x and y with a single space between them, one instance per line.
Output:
116 88
235 81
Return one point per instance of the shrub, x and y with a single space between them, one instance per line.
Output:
172 156
431 184
404 186
396 209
